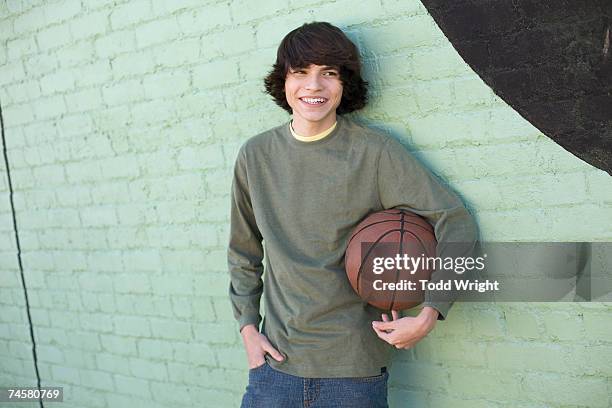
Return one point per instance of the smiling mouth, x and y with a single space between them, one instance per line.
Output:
313 101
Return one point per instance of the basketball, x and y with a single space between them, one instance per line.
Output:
387 251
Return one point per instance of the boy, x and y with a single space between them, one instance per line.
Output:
301 188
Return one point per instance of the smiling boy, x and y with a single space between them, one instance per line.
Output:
300 189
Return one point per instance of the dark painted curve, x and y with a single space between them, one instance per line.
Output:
550 60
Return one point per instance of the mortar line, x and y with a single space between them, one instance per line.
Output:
23 283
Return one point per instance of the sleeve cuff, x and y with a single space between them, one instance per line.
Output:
249 319
441 307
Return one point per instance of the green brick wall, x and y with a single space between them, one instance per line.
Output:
122 122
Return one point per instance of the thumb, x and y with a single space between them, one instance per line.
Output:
272 351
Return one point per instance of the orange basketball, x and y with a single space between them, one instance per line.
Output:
397 235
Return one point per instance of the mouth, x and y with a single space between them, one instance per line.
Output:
313 101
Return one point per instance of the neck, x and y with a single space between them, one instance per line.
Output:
306 128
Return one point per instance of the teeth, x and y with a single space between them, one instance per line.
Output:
313 100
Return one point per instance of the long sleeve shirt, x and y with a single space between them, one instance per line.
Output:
298 203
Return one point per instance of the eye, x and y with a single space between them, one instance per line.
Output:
330 73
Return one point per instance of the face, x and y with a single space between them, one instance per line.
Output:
314 93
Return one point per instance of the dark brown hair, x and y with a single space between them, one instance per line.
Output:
319 43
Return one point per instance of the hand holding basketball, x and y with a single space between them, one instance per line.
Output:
406 332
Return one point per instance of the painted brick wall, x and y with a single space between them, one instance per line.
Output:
122 123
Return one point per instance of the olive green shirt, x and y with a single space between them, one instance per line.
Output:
300 202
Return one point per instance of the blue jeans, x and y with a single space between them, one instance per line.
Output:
270 388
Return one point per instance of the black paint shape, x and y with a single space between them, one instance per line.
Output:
550 60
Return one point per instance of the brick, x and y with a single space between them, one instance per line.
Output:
11 73
206 157
155 349
115 43
565 389
257 64
132 283
152 112
178 212
188 374
534 356
98 216
89 25
471 91
433 95
96 322
204 19
507 123
409 32
411 398
65 374
97 380
175 284
597 326
599 187
110 193
24 92
244 11
157 31
94 74
447 129
440 62
171 329
177 53
133 64
19 48
57 82
40 64
75 55
85 100
148 369
123 92
164 8
488 323
31 20
228 42
400 7
215 333
132 386
130 13
113 364
53 37
132 326
63 10
232 357
143 260
135 214
269 33
193 353
167 84
200 309
444 351
17 114
49 107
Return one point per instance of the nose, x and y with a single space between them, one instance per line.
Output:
313 82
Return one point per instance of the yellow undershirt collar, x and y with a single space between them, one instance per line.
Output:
312 138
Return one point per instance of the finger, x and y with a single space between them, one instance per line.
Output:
382 335
385 317
395 314
272 351
387 325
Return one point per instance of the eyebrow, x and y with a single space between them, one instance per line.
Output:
325 68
